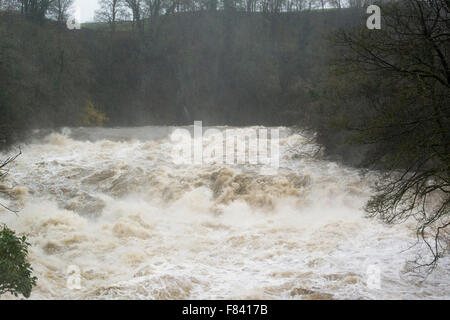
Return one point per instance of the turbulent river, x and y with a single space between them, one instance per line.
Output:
112 205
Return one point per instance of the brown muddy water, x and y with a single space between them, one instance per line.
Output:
112 204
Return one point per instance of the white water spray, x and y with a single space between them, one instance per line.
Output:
111 216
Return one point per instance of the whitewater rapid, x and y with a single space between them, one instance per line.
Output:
113 205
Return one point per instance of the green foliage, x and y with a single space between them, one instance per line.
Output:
92 116
15 272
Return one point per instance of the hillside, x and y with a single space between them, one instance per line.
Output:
222 68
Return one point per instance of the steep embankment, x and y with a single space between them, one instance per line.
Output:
112 204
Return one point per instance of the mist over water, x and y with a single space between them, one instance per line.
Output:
113 203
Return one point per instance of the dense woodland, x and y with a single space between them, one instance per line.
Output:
225 67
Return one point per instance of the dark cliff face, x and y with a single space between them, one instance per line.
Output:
222 68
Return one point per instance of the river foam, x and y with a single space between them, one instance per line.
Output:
137 226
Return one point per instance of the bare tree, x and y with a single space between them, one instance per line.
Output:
407 67
323 3
153 7
336 3
35 9
60 10
111 11
137 8
9 5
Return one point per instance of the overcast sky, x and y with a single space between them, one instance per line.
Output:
86 9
